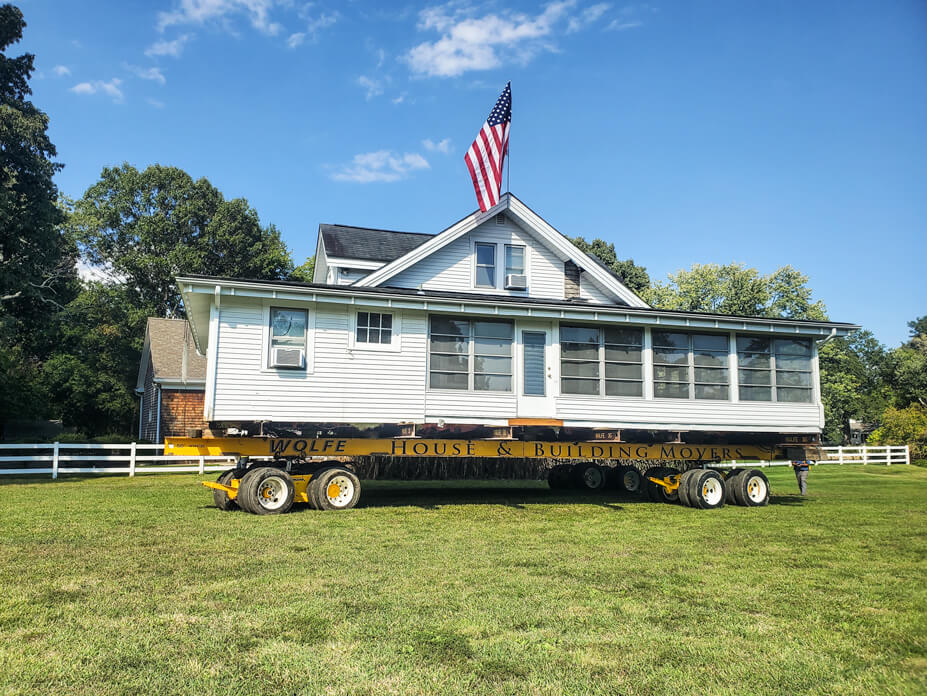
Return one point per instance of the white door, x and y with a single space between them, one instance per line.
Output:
535 380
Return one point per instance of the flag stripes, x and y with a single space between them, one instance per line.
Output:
486 157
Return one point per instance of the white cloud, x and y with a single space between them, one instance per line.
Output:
589 15
373 86
296 39
468 42
110 89
401 98
168 48
629 17
381 58
623 24
201 12
380 166
313 26
153 74
442 146
61 70
156 103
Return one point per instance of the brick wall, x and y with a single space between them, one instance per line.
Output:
180 411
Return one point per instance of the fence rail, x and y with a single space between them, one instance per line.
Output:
137 461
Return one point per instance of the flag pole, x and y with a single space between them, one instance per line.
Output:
508 150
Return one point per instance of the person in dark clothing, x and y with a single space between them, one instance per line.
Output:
801 467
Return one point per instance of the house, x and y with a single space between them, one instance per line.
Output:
171 381
498 320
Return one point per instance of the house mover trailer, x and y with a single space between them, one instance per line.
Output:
496 337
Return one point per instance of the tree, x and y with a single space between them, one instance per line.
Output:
918 327
633 276
735 289
305 272
35 258
903 426
147 227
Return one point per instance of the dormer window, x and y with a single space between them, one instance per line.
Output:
485 265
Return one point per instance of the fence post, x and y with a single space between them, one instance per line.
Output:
840 453
888 455
202 465
132 460
907 454
55 460
865 455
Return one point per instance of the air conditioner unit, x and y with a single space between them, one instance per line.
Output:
288 357
516 281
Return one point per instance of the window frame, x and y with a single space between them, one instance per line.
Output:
773 370
267 338
524 260
602 379
691 382
477 265
394 346
471 355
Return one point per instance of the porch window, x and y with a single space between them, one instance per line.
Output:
601 361
470 354
288 337
687 366
374 327
774 369
485 265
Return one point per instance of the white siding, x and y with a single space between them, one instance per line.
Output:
451 268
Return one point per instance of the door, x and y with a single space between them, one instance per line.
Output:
535 378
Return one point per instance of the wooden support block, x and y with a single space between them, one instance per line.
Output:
610 435
502 432
407 430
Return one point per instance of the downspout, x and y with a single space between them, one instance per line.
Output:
158 421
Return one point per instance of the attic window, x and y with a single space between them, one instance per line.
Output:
500 219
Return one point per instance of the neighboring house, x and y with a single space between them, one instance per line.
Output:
171 381
498 320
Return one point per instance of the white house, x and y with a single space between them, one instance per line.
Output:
497 320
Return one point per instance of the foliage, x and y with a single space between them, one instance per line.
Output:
906 372
148 226
918 326
305 272
633 276
903 426
36 259
112 585
736 289
851 383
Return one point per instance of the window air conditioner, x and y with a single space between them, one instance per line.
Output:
287 357
516 281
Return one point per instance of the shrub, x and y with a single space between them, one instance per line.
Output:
903 426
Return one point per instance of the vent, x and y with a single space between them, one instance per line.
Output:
570 280
287 357
516 281
500 218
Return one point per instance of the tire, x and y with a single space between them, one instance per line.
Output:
589 476
751 488
336 488
651 489
267 491
221 498
655 491
560 477
731 483
629 479
684 486
706 489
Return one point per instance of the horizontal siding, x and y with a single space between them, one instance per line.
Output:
458 404
451 268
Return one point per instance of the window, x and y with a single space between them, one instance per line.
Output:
485 265
514 259
373 327
288 337
596 361
775 369
689 366
470 354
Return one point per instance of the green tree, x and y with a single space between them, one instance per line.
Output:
903 426
305 272
736 289
35 258
918 327
146 227
633 276
906 372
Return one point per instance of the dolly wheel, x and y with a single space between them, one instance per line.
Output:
706 489
629 479
751 488
221 498
334 489
267 491
589 476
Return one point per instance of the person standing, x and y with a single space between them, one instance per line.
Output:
801 467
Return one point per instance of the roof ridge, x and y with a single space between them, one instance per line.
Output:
374 229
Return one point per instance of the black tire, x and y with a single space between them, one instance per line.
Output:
751 488
221 498
731 483
655 491
684 487
630 479
321 492
266 490
706 489
651 490
560 477
589 476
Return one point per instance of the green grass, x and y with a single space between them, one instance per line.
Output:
139 586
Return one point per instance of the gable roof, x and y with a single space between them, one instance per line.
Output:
169 343
345 241
528 219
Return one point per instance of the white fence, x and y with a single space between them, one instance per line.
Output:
869 454
66 458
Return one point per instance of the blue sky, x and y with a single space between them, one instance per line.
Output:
768 133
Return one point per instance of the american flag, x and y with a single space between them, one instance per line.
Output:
486 155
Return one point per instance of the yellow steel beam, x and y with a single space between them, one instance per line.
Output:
356 447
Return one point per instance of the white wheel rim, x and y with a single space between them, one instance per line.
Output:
631 480
344 493
271 493
756 489
593 477
712 491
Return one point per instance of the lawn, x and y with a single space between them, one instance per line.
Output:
139 586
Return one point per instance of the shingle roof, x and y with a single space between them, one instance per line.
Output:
169 339
369 244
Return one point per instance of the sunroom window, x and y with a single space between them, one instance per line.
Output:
601 361
775 369
470 354
687 366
